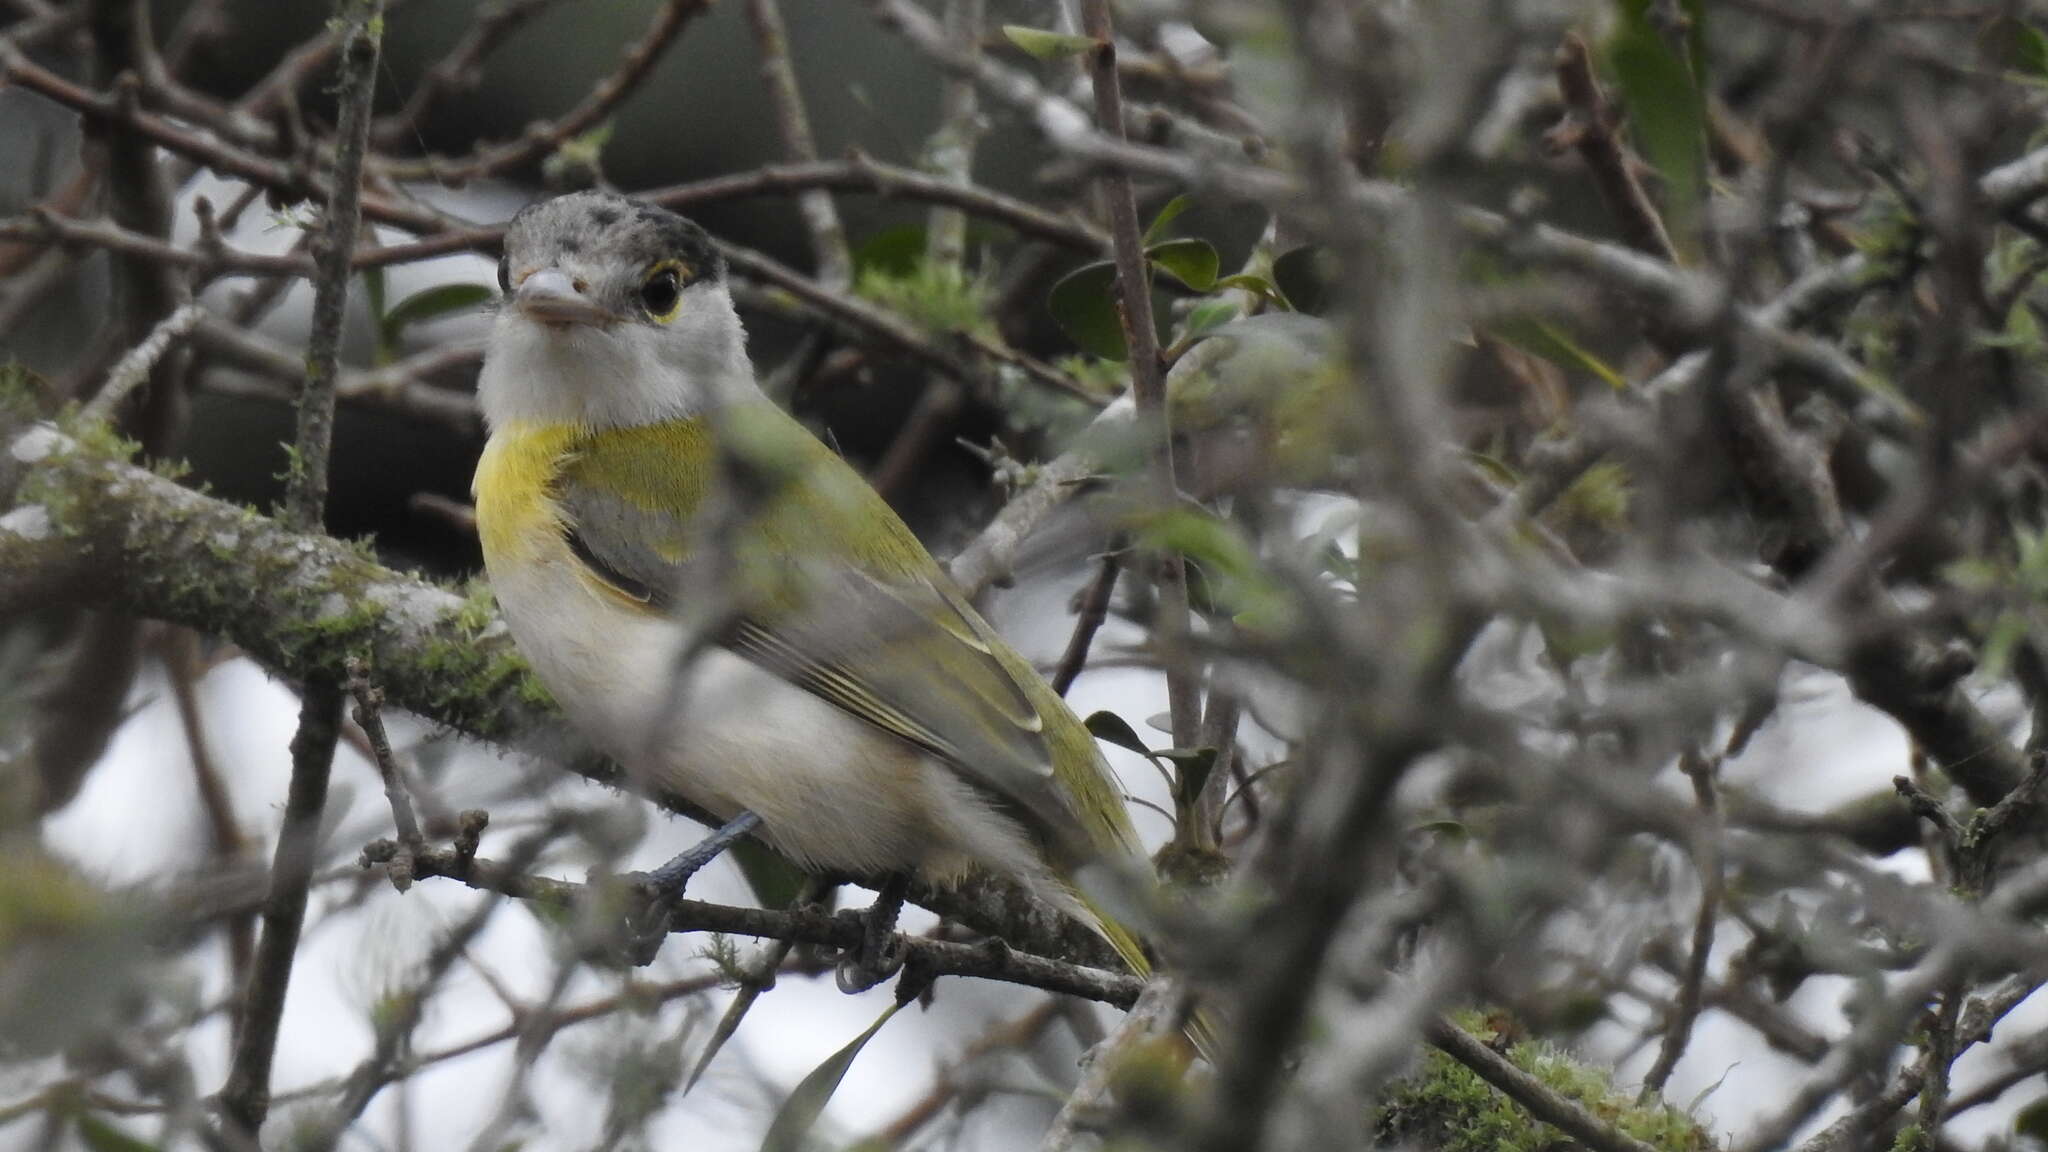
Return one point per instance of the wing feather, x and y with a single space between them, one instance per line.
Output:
877 632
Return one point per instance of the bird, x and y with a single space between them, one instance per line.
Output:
718 600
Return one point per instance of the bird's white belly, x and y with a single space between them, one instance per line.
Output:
832 792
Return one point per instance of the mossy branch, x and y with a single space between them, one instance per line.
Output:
90 528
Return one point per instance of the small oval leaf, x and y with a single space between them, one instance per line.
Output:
1208 316
1192 262
1300 275
1084 304
1043 45
1167 214
1111 728
430 303
1257 285
100 1135
1195 766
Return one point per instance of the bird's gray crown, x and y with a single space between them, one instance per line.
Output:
606 230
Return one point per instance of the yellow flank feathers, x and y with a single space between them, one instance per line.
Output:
515 516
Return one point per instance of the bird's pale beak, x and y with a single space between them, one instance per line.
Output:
550 297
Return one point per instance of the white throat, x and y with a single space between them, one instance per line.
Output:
624 375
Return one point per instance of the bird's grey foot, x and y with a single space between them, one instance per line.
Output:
665 885
879 953
670 879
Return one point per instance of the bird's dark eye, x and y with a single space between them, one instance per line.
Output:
504 274
661 292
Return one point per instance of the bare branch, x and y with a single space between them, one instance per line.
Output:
245 1099
546 137
778 72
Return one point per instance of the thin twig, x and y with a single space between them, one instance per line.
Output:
138 199
132 371
369 714
1154 1015
1707 856
1592 132
1928 808
778 72
975 370
39 226
857 173
393 386
1091 608
305 499
989 961
226 840
1003 1036
394 1028
460 70
245 1099
993 553
543 138
1148 380
757 978
950 150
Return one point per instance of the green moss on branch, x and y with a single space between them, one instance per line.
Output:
298 604
1447 1107
108 533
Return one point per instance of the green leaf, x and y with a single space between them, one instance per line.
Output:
1192 262
1204 539
1301 277
101 1136
1666 111
429 303
801 1111
2029 50
373 288
2032 1122
1553 343
374 292
774 880
1568 644
1111 728
1044 45
1195 765
1996 654
1253 283
896 251
1084 304
1167 215
1209 315
1496 468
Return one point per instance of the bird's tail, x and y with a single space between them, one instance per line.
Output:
1200 1028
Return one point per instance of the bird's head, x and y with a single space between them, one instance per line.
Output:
616 313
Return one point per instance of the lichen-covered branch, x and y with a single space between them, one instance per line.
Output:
92 529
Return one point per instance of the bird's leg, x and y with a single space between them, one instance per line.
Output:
873 961
665 885
670 878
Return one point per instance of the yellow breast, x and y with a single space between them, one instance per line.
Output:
515 515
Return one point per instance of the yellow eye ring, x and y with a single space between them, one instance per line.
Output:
661 292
